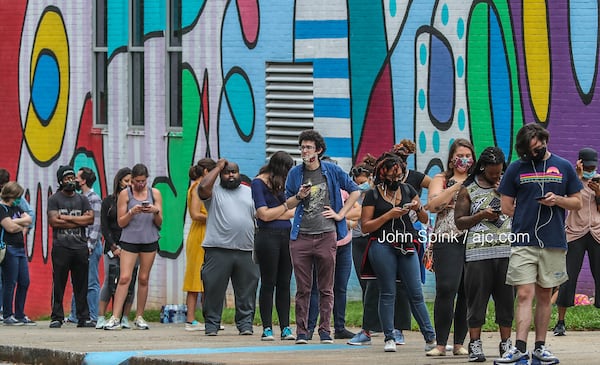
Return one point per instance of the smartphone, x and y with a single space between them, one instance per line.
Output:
307 185
596 179
145 203
540 197
110 254
407 206
496 210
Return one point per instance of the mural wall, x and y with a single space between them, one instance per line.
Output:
384 70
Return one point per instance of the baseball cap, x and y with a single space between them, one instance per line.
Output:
63 171
588 156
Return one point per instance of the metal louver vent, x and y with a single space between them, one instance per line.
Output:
289 105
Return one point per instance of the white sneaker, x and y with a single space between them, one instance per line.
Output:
140 324
100 323
390 346
194 326
112 324
125 323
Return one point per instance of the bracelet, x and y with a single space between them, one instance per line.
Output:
285 205
298 198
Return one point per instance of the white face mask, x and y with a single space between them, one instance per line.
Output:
310 158
589 175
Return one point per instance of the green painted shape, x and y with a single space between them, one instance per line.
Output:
367 54
181 151
480 114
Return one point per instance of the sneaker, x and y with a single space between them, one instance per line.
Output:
140 324
100 323
301 339
210 334
430 345
325 337
360 339
286 334
543 356
398 337
56 324
193 326
86 324
390 346
476 352
12 321
513 356
267 335
504 346
70 320
112 324
559 329
27 322
221 328
246 333
310 335
343 334
125 323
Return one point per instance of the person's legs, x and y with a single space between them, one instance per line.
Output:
313 306
593 251
566 291
402 314
324 251
22 286
266 253
93 293
127 261
244 279
504 298
343 267
10 274
146 262
384 261
408 269
79 278
302 259
60 272
216 272
359 245
284 276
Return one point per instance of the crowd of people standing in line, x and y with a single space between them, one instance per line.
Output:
313 220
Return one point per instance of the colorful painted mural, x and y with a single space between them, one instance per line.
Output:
429 70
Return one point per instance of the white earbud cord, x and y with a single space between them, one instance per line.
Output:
539 212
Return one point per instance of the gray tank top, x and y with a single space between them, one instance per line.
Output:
141 228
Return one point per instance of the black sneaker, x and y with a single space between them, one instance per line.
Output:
86 324
559 329
301 339
56 324
343 334
325 337
476 352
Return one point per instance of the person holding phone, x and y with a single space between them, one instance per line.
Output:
139 240
583 235
477 209
537 261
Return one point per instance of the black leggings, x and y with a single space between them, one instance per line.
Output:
448 263
272 253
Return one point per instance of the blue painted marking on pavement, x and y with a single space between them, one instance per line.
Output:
119 357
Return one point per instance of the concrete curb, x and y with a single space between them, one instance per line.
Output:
27 355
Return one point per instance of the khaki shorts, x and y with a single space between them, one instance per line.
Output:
546 267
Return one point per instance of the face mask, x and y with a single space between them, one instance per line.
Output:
539 154
392 185
364 186
462 164
589 175
70 186
17 202
310 158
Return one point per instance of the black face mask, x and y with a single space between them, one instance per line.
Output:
70 186
392 185
540 152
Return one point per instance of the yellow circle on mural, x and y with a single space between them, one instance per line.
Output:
44 136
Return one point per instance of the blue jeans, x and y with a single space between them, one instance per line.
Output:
343 268
15 274
390 264
93 293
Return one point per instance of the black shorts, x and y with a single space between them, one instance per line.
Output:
139 247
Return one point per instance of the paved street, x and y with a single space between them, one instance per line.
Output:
169 344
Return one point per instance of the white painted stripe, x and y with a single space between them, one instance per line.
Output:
321 10
322 48
333 127
331 88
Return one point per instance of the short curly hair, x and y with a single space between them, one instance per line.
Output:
312 135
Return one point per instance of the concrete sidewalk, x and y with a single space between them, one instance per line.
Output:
169 344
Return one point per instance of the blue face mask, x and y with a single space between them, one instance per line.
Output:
364 186
589 175
16 202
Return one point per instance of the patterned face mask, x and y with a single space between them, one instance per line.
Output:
462 164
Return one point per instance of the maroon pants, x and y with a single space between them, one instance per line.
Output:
306 251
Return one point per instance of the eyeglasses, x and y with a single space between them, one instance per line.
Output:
307 148
357 171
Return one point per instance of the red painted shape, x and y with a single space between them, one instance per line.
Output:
378 129
12 131
205 104
249 20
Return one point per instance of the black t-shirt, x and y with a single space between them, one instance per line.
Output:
414 179
396 227
75 205
11 239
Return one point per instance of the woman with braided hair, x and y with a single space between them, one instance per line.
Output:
391 249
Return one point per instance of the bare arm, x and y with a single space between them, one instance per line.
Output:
571 202
206 185
462 212
156 207
439 198
507 204
10 226
195 207
267 214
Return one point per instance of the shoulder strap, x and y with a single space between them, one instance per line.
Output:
2 234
